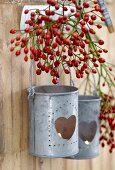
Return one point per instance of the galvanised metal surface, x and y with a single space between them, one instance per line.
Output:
52 109
89 109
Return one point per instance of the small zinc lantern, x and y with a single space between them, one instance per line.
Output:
89 109
53 121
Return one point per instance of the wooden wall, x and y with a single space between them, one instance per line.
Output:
13 104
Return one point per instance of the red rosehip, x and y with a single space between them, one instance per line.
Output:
82 34
39 64
77 14
95 1
41 40
86 71
27 30
92 31
17 43
75 48
72 10
75 63
85 4
97 8
101 10
27 21
103 84
110 69
78 7
26 11
54 80
96 65
86 57
12 41
86 15
90 22
44 57
70 52
102 144
17 52
65 8
39 31
103 19
75 35
48 12
43 67
67 28
18 38
31 56
64 57
32 14
101 42
78 75
99 26
99 51
86 19
87 41
57 53
110 150
12 49
51 2
56 63
22 45
32 49
67 42
94 71
46 69
94 59
24 40
93 17
66 71
25 50
26 58
54 45
57 6
52 57
105 50
85 29
82 45
56 74
82 22
38 71
12 31
52 13
74 1
69 63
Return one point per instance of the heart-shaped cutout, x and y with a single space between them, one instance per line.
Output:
87 131
65 127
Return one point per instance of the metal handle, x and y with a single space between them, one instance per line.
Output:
106 14
31 89
71 80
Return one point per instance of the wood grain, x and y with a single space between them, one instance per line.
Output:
14 81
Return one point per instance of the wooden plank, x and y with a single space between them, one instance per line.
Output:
19 2
1 104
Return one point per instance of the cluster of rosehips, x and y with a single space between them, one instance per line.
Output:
66 41
107 122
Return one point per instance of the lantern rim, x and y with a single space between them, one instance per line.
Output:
88 98
51 90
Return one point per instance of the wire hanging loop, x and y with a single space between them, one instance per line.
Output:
31 89
95 87
71 80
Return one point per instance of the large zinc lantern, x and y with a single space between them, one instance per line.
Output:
89 109
53 121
